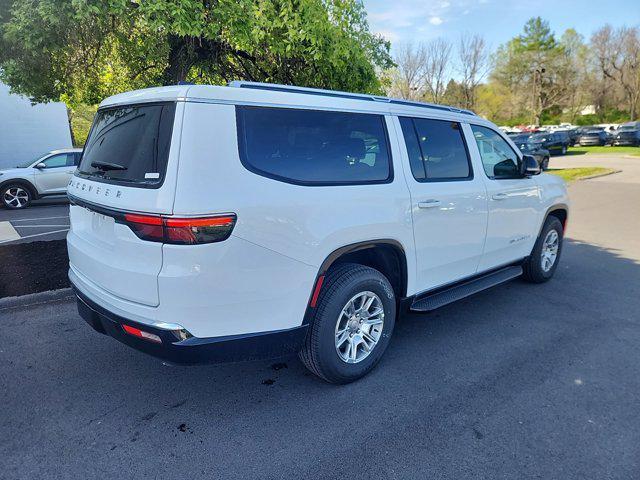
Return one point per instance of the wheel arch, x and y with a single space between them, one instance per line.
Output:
23 182
560 211
385 255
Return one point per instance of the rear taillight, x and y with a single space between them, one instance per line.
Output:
181 231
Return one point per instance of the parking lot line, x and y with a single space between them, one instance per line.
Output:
8 233
31 236
39 218
41 226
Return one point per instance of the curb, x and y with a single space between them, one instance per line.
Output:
35 298
598 175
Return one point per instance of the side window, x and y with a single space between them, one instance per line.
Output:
436 149
56 161
311 147
500 161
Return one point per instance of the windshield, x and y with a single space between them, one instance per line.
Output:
129 145
539 138
31 161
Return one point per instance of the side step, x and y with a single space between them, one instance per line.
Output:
431 301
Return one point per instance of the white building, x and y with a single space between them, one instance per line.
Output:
27 131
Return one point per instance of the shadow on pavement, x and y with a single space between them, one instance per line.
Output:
504 383
33 267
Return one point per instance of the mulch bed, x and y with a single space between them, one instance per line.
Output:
33 267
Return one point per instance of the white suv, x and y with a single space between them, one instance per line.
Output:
47 175
250 221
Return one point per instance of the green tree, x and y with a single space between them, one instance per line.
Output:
536 67
81 51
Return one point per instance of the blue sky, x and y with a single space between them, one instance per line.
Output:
497 20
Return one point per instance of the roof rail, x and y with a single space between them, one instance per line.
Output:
335 93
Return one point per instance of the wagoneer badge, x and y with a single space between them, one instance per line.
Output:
98 190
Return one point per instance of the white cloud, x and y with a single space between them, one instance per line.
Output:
390 35
435 20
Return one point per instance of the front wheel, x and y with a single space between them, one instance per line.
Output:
352 324
15 196
544 258
545 163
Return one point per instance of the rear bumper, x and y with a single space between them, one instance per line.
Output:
193 350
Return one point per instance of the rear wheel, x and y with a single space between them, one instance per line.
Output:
544 258
352 324
15 196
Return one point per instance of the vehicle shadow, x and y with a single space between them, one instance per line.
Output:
449 379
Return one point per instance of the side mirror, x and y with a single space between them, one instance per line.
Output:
40 165
529 166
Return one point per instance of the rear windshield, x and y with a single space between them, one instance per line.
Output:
129 145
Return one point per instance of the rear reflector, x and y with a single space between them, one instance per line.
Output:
316 292
136 332
181 231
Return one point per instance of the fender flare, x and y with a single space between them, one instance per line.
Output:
553 208
351 248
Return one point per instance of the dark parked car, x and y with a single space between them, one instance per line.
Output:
556 143
572 133
593 137
535 149
628 134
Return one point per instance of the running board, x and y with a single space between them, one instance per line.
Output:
431 301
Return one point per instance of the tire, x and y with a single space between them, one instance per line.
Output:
342 284
533 270
545 163
16 196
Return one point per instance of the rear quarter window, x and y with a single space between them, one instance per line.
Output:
310 147
129 145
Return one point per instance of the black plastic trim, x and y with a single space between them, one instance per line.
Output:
118 215
355 247
466 288
194 350
434 291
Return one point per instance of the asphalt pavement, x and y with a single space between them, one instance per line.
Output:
521 381
46 219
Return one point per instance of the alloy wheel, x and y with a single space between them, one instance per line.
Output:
359 327
549 250
16 197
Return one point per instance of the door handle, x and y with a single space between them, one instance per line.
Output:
431 203
500 196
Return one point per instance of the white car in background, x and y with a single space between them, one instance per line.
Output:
44 176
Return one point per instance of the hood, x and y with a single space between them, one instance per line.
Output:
14 171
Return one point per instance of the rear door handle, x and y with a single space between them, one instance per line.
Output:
500 196
431 203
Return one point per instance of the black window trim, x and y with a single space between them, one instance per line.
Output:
468 178
124 183
519 158
246 164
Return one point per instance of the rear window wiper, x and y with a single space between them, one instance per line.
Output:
104 166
